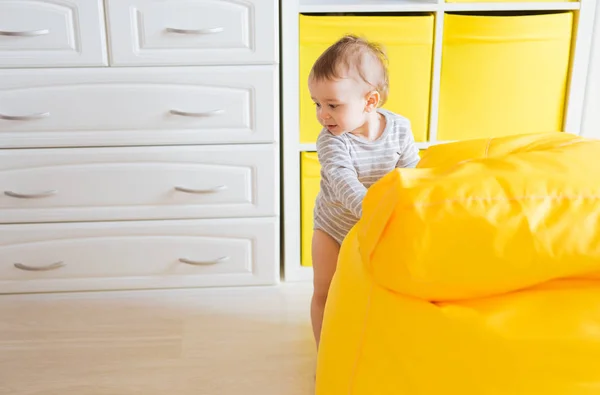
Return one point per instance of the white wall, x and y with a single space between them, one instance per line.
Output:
591 116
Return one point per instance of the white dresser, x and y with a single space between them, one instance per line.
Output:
139 144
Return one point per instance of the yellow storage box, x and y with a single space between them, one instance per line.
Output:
476 277
408 41
310 181
503 74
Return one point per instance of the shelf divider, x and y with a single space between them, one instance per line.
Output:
398 6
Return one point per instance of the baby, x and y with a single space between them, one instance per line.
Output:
360 143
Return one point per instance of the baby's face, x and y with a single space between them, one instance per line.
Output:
340 104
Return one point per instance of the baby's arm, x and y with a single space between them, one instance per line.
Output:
409 153
337 166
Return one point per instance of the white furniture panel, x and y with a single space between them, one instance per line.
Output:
129 255
41 33
145 106
48 185
157 32
138 177
591 118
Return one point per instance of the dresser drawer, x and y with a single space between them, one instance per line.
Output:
160 106
158 32
128 255
90 184
52 33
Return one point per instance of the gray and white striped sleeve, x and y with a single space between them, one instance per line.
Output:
337 168
409 152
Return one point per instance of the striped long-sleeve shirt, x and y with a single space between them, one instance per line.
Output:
350 164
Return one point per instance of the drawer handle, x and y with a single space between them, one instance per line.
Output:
30 195
52 266
216 189
28 33
204 263
204 114
29 117
212 30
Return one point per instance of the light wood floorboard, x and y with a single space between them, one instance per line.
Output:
229 341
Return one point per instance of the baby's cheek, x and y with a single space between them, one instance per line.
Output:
348 116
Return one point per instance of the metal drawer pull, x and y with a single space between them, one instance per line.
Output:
212 30
52 266
204 114
204 263
201 191
29 117
28 33
30 195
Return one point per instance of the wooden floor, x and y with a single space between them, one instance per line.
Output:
201 342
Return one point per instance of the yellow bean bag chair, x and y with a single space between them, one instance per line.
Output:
474 274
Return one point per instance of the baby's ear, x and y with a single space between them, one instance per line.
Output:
373 98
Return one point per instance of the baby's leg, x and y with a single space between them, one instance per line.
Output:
324 258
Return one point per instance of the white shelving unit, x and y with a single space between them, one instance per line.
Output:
292 148
591 120
370 6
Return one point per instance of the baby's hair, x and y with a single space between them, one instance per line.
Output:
353 53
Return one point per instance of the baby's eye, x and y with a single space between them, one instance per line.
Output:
317 104
333 106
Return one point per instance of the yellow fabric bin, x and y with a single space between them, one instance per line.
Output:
503 75
408 41
309 188
475 275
